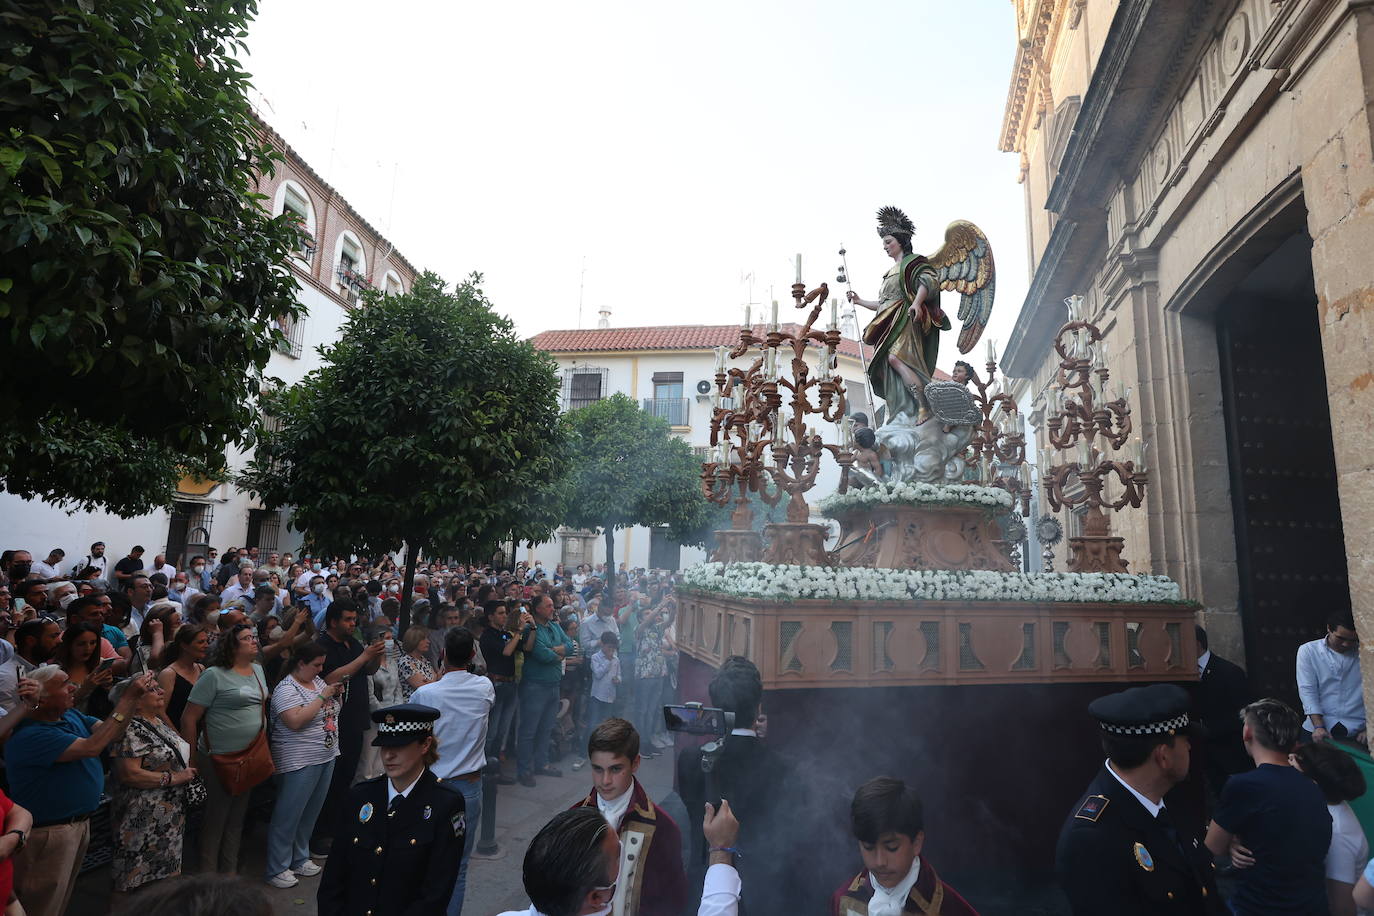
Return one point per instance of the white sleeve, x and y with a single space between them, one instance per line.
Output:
1309 692
1342 862
720 893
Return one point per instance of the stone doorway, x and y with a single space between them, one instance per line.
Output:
1290 548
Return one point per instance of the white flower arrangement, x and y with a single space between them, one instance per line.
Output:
861 583
915 494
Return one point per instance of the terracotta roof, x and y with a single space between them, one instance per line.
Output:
663 337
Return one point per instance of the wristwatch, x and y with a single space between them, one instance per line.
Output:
119 717
23 837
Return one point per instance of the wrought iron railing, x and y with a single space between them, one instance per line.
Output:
674 410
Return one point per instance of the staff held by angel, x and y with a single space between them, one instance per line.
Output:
905 333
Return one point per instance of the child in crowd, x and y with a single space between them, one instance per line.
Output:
605 680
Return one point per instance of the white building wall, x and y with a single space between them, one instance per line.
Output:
631 373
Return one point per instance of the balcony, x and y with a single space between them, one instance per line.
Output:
674 410
863 644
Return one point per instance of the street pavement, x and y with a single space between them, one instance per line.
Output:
494 883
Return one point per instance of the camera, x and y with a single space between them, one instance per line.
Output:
695 719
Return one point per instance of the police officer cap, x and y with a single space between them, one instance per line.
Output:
1159 709
403 724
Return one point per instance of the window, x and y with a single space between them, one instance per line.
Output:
392 284
668 401
293 199
352 270
291 330
583 385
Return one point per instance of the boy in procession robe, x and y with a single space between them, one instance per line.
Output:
888 822
652 881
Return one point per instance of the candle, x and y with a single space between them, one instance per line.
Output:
847 432
746 317
724 451
1025 476
721 352
825 367
834 314
799 279
754 430
992 350
1085 455
1142 465
773 321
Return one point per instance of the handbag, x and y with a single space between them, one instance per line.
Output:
196 794
242 770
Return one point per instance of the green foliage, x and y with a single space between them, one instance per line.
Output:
627 470
430 423
141 282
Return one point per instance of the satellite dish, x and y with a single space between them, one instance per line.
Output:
704 387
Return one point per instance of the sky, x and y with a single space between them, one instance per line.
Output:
650 158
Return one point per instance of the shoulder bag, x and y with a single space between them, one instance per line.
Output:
196 793
240 771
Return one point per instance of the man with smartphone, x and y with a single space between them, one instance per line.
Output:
545 646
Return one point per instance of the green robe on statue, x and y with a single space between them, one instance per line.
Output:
916 342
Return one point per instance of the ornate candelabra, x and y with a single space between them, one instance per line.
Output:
764 408
998 443
1083 415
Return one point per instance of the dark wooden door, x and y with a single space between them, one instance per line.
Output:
1290 548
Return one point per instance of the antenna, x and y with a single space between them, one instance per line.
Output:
581 285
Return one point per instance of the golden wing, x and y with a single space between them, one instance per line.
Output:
964 265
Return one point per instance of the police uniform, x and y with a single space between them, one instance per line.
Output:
1117 857
398 857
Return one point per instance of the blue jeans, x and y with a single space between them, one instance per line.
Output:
300 796
502 715
648 690
538 709
472 798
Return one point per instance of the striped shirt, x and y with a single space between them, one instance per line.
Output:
313 743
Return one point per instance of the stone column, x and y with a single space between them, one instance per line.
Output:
1338 186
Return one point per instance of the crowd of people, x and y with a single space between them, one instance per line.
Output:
173 696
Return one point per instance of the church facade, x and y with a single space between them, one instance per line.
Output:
1201 174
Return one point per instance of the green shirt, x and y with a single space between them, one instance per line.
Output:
542 664
233 707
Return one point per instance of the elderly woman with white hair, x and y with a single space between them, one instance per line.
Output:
151 770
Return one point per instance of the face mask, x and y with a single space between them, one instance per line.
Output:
393 589
66 600
199 567
19 571
318 587
317 567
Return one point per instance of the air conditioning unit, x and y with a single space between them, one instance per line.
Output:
704 389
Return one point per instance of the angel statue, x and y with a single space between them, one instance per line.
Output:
905 335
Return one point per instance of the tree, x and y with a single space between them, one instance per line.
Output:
429 425
142 285
627 470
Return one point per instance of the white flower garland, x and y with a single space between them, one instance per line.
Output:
861 583
915 494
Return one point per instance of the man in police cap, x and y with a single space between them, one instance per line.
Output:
401 838
1121 850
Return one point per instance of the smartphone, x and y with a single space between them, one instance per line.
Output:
105 664
18 604
695 719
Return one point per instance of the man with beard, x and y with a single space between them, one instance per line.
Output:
34 643
1329 682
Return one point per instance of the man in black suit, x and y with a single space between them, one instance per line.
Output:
400 835
753 778
1121 851
1222 692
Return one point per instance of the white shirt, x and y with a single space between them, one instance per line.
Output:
391 792
719 894
1153 807
167 569
1329 686
892 902
1349 849
45 570
1202 661
614 810
88 562
464 702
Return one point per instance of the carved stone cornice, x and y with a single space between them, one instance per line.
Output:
1027 70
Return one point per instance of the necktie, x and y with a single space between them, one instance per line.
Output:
1167 825
395 803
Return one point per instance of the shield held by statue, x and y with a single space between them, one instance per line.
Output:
952 404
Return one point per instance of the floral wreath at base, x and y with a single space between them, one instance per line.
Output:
862 583
915 494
